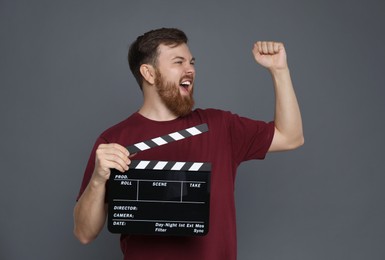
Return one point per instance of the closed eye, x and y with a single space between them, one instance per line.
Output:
181 60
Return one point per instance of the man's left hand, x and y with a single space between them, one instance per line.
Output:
271 55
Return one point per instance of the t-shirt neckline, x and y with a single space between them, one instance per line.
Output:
148 120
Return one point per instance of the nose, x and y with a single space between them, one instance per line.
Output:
190 69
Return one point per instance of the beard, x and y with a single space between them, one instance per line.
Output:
172 98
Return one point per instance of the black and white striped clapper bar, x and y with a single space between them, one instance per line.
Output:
161 197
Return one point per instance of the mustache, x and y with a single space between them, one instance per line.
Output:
188 77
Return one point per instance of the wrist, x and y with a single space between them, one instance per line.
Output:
97 182
280 72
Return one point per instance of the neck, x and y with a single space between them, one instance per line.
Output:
154 109
157 115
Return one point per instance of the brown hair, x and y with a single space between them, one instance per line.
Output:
144 50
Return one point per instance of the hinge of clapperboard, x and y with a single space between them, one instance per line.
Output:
166 139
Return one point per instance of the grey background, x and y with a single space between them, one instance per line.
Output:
64 79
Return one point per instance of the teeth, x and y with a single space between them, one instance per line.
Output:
185 83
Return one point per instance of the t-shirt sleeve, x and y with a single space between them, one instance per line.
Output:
250 139
90 167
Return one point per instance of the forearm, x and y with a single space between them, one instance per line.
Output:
90 212
288 121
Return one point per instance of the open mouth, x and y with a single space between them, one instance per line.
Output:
185 84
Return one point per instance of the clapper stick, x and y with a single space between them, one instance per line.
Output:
170 166
169 138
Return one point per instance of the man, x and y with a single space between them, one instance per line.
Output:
163 66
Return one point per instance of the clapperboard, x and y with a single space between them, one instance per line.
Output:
161 197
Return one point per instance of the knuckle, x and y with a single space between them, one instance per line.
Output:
98 152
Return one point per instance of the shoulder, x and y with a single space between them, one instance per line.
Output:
116 130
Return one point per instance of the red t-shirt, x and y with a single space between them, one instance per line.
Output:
231 139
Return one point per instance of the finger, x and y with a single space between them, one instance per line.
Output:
113 149
258 47
113 161
110 153
122 149
265 49
108 165
114 156
270 47
122 161
277 46
132 155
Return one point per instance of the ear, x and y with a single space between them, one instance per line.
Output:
148 73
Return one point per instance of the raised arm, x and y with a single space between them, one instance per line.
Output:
91 209
288 123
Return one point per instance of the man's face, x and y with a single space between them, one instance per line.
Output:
175 75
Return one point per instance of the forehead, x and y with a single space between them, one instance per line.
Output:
167 52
